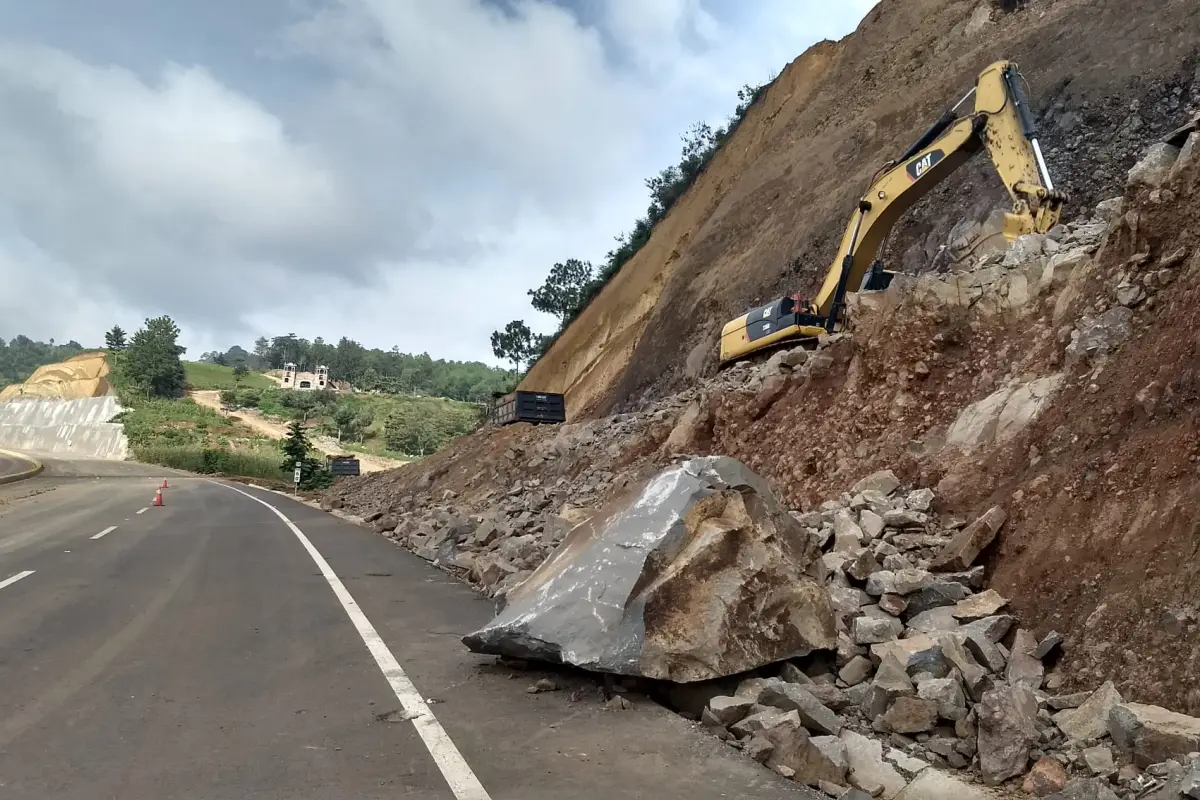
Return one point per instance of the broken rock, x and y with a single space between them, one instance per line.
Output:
884 481
1046 777
694 574
911 715
1151 734
1022 666
960 552
1090 720
867 769
1085 789
933 784
1007 731
793 697
984 604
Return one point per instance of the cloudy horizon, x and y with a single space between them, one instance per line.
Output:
397 172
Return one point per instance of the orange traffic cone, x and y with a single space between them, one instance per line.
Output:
164 483
158 498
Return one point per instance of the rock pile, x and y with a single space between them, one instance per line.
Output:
930 673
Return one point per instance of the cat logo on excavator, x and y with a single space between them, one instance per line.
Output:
925 163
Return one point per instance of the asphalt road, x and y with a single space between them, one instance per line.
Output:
12 465
211 649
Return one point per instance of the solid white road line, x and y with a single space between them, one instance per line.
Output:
143 510
15 578
105 532
454 768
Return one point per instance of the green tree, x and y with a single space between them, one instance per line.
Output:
296 450
115 339
514 343
240 371
407 431
563 289
151 364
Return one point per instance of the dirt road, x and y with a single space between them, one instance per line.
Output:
278 430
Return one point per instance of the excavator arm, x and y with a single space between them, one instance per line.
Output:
1002 123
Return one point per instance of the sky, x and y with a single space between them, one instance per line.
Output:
401 172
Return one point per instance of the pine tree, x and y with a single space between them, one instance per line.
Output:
296 449
115 339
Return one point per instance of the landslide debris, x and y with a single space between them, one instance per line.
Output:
698 573
1011 582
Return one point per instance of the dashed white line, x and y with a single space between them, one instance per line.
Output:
463 782
105 532
143 510
15 578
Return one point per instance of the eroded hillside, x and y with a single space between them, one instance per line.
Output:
763 218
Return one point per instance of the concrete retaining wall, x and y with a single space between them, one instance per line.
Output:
77 428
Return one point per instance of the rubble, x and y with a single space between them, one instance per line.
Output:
902 675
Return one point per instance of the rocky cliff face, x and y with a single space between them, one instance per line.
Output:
764 218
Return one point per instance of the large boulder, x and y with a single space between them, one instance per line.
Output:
694 574
1150 734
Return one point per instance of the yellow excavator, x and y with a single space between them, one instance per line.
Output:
1002 122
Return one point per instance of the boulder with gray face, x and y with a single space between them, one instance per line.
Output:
696 573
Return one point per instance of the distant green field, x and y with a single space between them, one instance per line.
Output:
214 376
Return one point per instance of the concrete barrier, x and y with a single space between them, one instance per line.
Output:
78 428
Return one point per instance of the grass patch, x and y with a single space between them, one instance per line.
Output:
184 435
214 376
214 461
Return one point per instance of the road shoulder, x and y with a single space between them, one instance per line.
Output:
520 744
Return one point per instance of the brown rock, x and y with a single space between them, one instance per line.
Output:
1007 731
984 604
893 604
795 754
1151 734
911 715
960 552
1046 777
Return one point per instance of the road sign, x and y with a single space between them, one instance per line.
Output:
296 474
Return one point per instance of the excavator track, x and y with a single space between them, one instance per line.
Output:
764 354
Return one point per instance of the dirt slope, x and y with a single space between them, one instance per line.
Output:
780 192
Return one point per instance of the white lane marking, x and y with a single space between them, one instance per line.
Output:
15 578
143 510
105 532
454 768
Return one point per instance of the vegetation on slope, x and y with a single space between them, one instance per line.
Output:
209 376
395 426
572 284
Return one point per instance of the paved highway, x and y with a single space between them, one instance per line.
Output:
13 466
235 644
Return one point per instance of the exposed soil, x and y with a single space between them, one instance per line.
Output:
781 191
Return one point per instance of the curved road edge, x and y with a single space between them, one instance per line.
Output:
17 467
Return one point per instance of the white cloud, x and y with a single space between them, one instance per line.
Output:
399 171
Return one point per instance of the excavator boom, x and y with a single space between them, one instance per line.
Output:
1002 123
